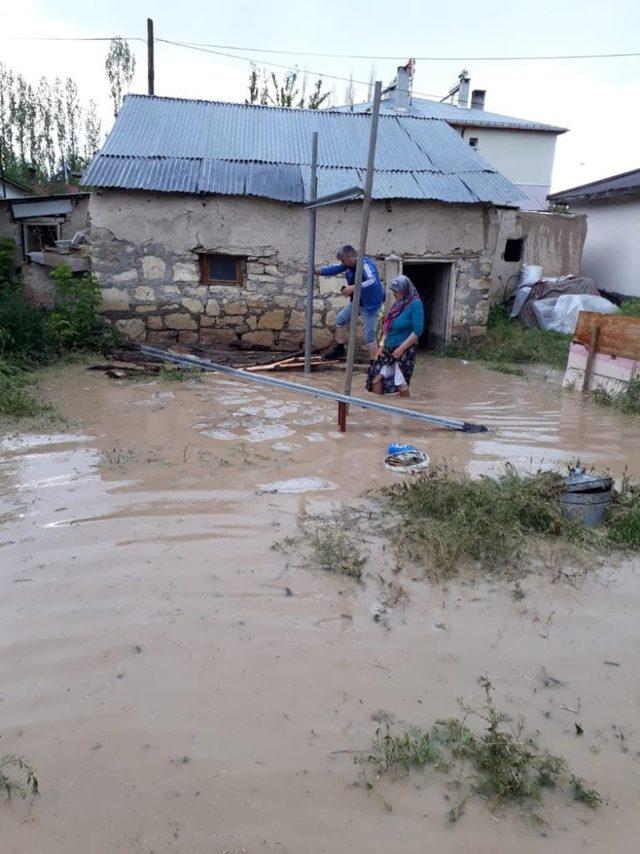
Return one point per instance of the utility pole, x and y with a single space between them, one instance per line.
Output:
364 229
311 256
150 66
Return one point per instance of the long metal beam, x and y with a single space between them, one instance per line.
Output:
239 374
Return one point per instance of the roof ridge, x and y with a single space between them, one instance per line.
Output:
330 111
597 181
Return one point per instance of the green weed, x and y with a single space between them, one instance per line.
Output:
630 308
17 777
16 399
509 342
500 763
330 547
623 517
626 400
446 516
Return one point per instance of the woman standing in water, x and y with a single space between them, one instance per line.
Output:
392 370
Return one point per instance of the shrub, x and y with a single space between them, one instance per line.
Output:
75 321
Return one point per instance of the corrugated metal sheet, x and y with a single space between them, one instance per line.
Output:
54 207
173 145
460 116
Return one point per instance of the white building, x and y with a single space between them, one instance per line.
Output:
612 248
520 149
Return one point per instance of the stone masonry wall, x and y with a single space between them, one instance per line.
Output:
145 253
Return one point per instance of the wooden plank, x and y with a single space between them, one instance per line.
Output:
618 336
593 349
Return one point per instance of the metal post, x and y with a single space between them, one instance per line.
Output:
364 228
150 66
311 255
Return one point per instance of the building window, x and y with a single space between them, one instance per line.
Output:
222 269
38 236
473 141
513 249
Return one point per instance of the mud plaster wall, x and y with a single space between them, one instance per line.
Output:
551 241
144 252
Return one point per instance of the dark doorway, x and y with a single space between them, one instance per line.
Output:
433 283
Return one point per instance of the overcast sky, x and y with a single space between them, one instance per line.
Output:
597 99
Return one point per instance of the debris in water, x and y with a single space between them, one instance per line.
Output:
550 681
295 485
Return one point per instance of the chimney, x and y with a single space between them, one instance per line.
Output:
403 86
463 88
33 175
477 99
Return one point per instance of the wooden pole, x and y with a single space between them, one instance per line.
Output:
150 65
364 229
311 255
593 348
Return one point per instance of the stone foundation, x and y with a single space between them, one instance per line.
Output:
156 296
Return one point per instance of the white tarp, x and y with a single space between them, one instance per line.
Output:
560 314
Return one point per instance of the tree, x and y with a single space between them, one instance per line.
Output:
121 65
267 89
350 92
43 126
72 113
92 131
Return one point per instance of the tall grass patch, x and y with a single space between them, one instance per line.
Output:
510 342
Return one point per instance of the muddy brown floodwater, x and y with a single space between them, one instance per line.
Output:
175 698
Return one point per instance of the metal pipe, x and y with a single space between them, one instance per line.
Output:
364 230
311 255
237 373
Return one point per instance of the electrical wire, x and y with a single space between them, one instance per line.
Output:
322 74
531 58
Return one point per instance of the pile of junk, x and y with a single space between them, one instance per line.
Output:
553 303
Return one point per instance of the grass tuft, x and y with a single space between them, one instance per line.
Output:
447 516
626 400
509 342
500 763
17 777
330 546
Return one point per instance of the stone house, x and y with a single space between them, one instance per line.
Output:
198 226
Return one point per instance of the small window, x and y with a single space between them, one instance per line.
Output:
513 249
473 141
38 237
222 269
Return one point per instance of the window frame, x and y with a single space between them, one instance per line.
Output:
205 271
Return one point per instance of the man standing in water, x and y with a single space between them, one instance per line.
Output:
371 299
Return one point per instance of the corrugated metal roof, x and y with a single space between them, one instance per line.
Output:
173 145
627 183
458 116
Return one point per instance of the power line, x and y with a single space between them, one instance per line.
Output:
463 58
190 46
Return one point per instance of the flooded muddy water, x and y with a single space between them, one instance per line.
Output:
182 687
